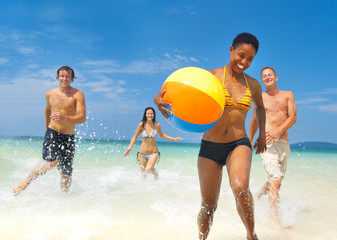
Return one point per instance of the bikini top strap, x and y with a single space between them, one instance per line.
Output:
224 76
244 75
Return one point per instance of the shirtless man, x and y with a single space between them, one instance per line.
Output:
65 107
280 116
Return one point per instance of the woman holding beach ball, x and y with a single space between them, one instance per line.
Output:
148 153
226 143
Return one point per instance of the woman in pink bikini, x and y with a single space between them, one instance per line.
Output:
148 152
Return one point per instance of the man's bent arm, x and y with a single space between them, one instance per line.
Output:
47 111
292 115
80 116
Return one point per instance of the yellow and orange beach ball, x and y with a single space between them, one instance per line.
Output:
197 99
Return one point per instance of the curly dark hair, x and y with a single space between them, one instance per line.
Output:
144 115
246 38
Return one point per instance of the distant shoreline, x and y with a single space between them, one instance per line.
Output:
314 145
300 145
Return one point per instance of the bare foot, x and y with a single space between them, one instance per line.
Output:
254 237
155 175
263 191
18 189
260 193
287 226
277 220
257 195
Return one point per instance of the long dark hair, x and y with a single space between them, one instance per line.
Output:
144 115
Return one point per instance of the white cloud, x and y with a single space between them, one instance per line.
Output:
323 92
25 50
107 87
317 98
310 101
102 89
328 91
119 89
24 92
26 86
101 63
33 66
3 61
28 42
19 41
79 35
331 108
152 65
192 59
96 78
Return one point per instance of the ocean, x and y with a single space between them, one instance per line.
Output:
110 200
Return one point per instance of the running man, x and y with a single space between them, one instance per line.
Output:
65 107
280 116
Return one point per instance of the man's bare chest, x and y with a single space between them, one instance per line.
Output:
61 102
275 105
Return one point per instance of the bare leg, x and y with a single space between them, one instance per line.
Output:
238 167
65 182
274 198
210 176
150 165
40 169
264 190
142 164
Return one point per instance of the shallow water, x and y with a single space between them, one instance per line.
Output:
110 200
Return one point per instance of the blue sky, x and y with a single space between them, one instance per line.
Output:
122 52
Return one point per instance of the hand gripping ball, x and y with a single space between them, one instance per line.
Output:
197 99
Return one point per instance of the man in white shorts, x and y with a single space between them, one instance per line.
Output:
280 116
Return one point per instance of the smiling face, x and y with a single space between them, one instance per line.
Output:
269 78
65 78
241 57
149 115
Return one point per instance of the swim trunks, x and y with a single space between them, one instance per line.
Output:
218 152
61 147
275 159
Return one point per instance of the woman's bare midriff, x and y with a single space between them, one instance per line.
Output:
228 131
148 146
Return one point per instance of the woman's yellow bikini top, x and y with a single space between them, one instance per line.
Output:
245 103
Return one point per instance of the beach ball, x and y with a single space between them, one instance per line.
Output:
197 99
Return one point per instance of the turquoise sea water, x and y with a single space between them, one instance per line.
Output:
110 200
